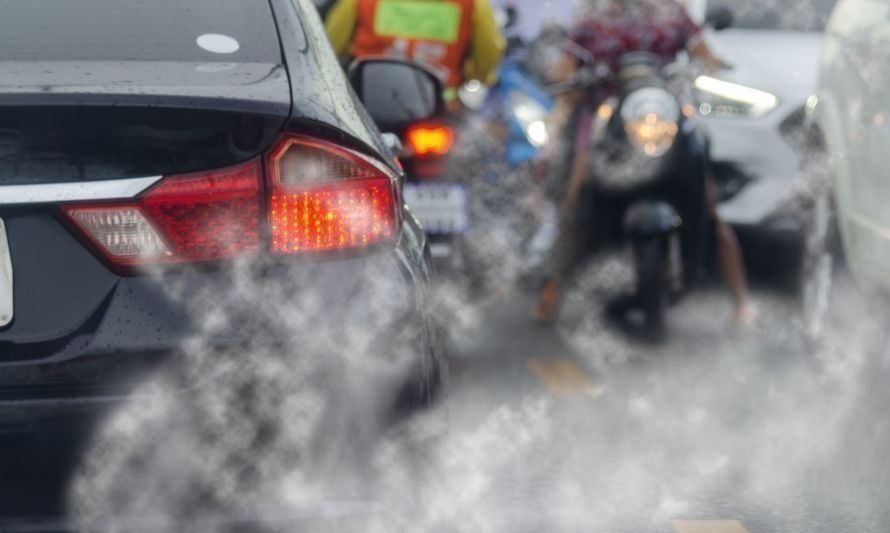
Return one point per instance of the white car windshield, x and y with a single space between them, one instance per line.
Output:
803 15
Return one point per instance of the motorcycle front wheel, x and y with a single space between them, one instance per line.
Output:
652 289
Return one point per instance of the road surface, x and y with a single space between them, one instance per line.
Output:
577 427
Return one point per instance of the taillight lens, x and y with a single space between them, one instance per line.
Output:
324 197
205 217
122 232
320 196
430 140
192 218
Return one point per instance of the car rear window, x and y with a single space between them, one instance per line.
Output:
138 30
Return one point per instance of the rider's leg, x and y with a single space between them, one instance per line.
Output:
730 259
567 249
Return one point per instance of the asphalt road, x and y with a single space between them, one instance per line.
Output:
719 429
578 427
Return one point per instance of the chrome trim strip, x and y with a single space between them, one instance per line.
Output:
6 287
46 193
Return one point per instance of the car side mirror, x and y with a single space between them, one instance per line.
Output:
397 92
719 18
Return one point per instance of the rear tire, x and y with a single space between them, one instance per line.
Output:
652 290
430 381
820 262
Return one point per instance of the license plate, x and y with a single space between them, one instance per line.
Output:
5 278
441 208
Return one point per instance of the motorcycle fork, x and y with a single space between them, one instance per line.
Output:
673 260
675 278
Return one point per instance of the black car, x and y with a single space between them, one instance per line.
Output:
167 163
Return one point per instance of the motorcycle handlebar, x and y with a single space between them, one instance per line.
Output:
592 74
584 77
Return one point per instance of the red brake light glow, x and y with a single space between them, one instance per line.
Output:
209 216
321 197
324 197
430 140
197 217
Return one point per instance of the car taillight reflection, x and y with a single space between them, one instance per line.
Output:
320 197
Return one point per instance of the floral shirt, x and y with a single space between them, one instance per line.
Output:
612 28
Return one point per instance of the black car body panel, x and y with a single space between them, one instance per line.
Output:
260 88
79 120
323 103
220 111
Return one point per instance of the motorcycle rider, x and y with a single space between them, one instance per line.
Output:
608 30
458 39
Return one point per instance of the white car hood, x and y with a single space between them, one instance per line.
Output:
783 63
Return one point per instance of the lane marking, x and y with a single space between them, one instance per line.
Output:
709 526
564 378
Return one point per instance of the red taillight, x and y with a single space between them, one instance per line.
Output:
430 140
197 217
210 216
320 197
325 197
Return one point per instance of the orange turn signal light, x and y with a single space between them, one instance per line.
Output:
430 140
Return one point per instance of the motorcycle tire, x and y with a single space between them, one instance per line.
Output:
652 290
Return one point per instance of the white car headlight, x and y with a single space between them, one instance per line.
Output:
531 116
726 99
651 118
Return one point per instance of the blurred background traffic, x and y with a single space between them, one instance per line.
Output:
659 255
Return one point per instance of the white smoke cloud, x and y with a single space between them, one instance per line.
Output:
298 430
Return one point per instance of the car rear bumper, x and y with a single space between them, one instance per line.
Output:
318 515
149 325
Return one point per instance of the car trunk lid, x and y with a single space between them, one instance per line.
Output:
64 122
114 92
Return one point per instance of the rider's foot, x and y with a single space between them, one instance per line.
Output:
548 303
745 315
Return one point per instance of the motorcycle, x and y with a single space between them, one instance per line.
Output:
438 197
464 166
649 163
516 103
503 131
422 147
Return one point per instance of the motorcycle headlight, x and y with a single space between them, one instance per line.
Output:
651 118
726 99
531 116
472 94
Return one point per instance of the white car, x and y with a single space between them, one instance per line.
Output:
754 113
851 111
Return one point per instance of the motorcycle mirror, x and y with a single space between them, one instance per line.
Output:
507 17
397 92
719 18
393 144
323 7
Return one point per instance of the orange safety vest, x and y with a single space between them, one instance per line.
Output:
436 33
